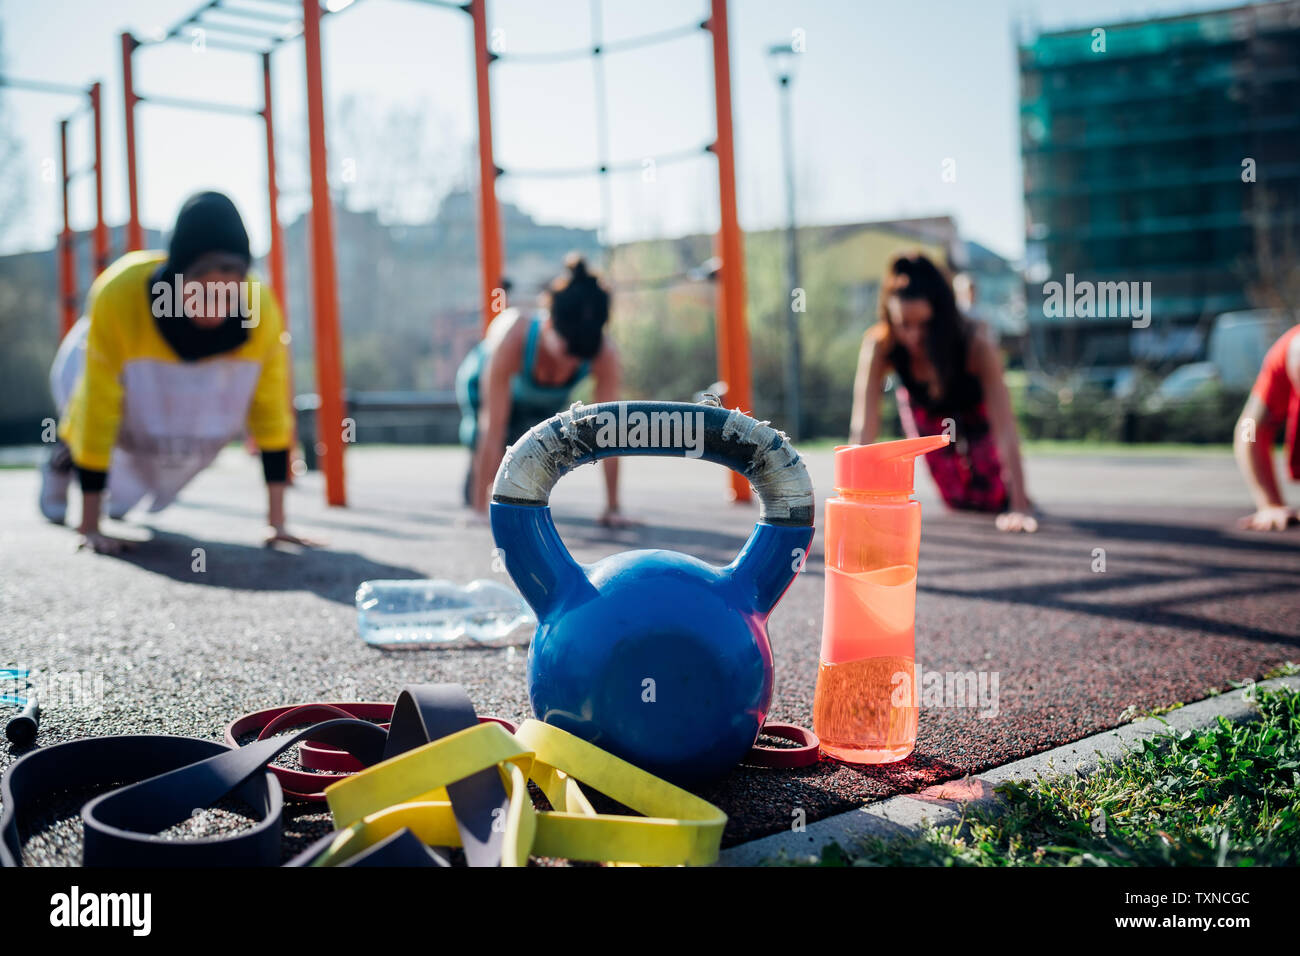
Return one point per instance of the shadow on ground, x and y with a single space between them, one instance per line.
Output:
333 575
1155 574
716 547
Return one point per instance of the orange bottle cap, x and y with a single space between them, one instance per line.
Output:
885 468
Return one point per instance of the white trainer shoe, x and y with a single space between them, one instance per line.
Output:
56 476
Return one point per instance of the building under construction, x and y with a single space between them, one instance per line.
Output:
1163 151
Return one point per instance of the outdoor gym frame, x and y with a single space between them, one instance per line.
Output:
68 302
198 28
732 329
260 31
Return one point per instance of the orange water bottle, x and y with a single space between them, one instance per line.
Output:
865 705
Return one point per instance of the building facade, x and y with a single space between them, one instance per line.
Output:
1164 155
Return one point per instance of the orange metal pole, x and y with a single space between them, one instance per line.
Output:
733 332
101 227
134 233
276 254
329 368
489 216
67 253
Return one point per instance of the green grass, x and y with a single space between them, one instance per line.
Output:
1227 795
1121 449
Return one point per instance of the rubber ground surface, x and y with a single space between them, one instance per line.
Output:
147 643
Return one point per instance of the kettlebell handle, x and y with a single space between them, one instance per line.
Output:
588 433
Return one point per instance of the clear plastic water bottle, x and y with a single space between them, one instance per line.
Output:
406 613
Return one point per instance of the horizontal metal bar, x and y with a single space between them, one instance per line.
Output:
78 173
650 39
208 105
625 166
181 24
661 282
297 4
247 13
215 6
43 86
445 4
241 47
218 44
385 401
196 20
256 33
601 49
326 11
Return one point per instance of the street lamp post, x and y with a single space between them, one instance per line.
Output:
783 58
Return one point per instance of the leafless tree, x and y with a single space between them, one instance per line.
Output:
13 166
1274 276
397 160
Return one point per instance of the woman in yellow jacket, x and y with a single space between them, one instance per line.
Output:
177 356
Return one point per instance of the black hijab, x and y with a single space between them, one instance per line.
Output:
208 222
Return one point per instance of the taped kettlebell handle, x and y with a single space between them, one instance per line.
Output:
589 433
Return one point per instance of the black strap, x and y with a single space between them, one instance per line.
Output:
402 848
441 710
167 778
32 781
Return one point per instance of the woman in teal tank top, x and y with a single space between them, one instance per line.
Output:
525 370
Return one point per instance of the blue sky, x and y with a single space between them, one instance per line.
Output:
884 94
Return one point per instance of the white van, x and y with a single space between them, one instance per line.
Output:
1239 342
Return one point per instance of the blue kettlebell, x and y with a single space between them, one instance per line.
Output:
656 656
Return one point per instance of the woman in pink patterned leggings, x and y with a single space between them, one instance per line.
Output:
949 379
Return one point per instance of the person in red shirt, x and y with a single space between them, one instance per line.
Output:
1274 403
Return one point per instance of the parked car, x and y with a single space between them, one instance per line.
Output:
1183 383
1239 341
1234 353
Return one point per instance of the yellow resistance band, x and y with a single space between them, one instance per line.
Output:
410 791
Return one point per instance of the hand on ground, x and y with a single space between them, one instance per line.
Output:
1270 519
1017 521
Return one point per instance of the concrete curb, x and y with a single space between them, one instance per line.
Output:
941 805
